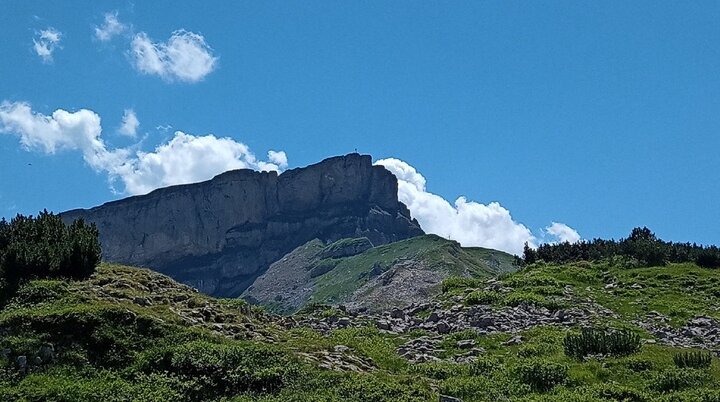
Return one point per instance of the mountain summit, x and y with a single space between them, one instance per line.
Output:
221 234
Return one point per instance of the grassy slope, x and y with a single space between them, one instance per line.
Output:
679 291
127 334
434 252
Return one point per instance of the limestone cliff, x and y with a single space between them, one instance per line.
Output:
220 235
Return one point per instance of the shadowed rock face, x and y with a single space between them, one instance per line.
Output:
220 235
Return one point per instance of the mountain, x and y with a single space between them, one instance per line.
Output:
220 235
361 277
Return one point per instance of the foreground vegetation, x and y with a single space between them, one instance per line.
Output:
128 334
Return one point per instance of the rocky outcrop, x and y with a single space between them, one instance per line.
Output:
220 235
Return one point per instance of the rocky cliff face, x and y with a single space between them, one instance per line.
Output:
220 235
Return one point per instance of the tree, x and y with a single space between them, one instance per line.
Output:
529 255
44 247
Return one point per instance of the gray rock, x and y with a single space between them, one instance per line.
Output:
442 327
383 324
46 353
397 313
515 340
482 322
433 317
21 362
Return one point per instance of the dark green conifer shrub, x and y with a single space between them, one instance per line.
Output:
597 341
44 247
693 359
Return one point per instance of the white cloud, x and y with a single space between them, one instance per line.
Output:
468 222
130 123
110 28
184 159
188 158
45 43
184 57
278 157
62 130
563 233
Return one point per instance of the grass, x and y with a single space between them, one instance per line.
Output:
125 334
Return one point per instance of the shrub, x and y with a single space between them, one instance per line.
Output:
641 248
44 247
692 359
541 375
484 365
677 379
616 392
596 341
225 369
529 351
516 298
456 282
708 258
481 297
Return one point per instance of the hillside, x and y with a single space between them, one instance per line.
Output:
131 334
362 277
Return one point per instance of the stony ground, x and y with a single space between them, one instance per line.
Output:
438 319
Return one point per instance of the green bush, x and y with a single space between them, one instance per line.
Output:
693 359
541 375
481 297
616 392
484 365
677 379
225 369
456 282
44 247
597 341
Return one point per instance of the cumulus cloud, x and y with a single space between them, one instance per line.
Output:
130 123
62 130
563 233
45 43
278 157
184 57
468 222
185 158
110 28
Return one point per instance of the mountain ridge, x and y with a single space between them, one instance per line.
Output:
221 234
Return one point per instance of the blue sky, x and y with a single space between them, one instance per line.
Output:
599 115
